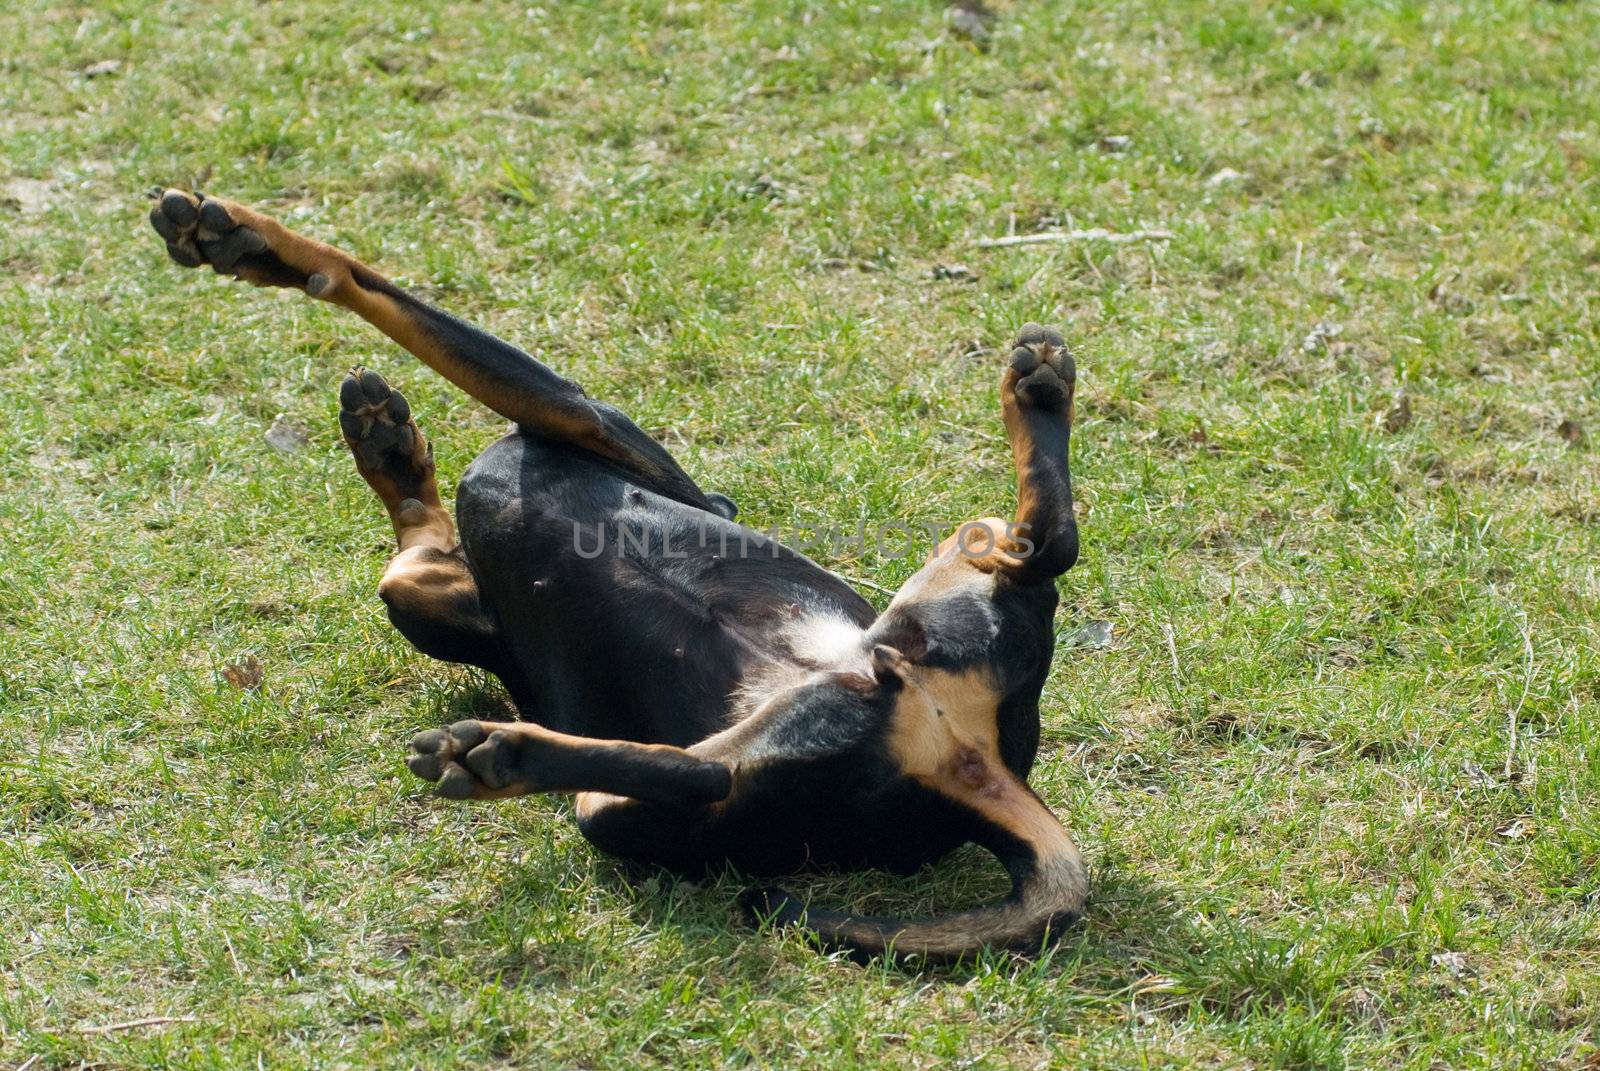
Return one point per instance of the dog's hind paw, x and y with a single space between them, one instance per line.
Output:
231 238
391 454
239 241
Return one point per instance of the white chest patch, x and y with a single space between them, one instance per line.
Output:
826 641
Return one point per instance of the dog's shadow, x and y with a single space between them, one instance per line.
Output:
1135 936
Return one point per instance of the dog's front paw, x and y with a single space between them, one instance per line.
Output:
470 760
1043 372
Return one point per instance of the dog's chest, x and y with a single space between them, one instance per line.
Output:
821 640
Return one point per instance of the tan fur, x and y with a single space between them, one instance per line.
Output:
983 544
419 579
945 736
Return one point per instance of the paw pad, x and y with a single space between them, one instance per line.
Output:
200 231
375 420
466 760
203 230
1044 368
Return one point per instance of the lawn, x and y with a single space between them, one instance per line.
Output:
1337 775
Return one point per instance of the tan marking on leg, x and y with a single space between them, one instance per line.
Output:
422 578
296 250
1024 455
528 730
417 525
588 804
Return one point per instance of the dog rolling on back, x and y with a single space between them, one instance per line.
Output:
709 696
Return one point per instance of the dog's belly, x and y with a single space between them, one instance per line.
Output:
627 614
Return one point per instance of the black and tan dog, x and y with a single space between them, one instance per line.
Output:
708 697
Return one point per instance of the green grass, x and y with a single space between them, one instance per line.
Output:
1339 777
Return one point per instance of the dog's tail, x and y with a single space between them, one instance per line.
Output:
1047 895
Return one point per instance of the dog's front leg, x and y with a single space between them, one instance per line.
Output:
687 837
485 760
1036 396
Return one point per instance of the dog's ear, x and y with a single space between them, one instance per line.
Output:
888 667
905 635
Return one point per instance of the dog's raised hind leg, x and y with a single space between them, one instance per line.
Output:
428 589
395 459
238 241
1036 402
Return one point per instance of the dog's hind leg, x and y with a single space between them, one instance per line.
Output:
395 459
430 594
238 241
